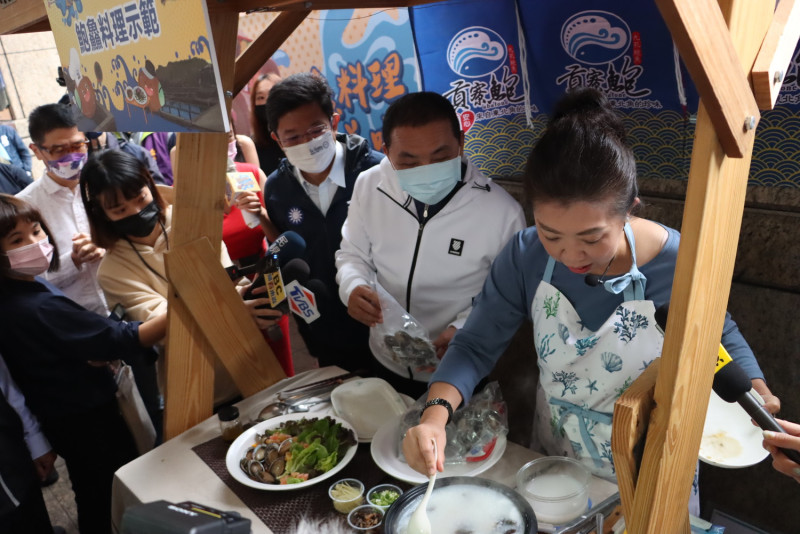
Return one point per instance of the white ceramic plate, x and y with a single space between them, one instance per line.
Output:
384 453
729 438
245 440
366 403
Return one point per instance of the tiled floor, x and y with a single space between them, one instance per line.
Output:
59 497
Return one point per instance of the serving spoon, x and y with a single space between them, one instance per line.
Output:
419 522
280 408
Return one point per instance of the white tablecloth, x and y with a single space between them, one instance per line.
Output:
173 472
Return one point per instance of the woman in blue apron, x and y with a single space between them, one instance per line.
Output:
589 276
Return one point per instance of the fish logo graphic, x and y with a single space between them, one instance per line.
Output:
595 37
476 51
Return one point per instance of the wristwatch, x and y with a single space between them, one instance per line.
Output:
441 402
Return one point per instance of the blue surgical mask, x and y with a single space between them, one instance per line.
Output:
430 183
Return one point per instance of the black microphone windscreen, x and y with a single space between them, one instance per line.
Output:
730 382
288 246
295 269
321 294
592 280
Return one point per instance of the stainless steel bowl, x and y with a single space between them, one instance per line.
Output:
410 499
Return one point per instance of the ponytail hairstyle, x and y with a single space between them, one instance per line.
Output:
13 210
583 156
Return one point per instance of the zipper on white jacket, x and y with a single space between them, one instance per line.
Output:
414 258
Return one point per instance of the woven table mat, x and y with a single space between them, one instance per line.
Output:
282 510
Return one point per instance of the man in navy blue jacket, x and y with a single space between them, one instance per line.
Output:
309 194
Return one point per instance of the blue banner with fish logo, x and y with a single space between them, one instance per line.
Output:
471 55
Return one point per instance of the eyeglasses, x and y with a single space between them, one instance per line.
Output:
311 133
59 151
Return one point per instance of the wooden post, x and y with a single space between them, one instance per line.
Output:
200 189
699 32
710 230
201 282
631 419
775 56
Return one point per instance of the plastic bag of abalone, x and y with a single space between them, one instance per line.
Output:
400 338
474 429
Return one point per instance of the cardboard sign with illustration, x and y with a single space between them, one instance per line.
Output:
139 65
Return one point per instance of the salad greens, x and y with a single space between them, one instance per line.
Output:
317 446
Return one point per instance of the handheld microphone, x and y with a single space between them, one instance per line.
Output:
287 246
276 279
732 384
302 301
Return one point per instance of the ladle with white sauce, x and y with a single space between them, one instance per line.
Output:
419 522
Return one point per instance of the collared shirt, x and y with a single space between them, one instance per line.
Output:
62 209
322 195
34 438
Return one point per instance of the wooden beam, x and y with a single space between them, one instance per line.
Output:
199 191
265 46
631 419
23 16
772 62
215 305
704 42
710 230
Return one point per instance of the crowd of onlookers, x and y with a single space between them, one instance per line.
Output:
83 282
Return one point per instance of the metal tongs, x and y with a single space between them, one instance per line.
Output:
312 390
588 520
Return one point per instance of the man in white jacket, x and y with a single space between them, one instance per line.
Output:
425 223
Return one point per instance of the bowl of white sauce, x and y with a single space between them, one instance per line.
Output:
465 505
557 487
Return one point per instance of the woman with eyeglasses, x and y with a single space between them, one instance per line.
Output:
62 148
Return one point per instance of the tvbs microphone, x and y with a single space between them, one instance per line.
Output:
302 301
275 279
732 384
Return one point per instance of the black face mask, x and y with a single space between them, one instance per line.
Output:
260 111
140 224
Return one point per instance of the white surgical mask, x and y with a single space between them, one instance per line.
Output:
430 183
314 156
30 260
232 150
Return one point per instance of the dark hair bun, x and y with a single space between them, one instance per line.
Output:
587 104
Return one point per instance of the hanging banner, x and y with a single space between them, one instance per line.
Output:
471 55
620 48
624 50
367 56
139 65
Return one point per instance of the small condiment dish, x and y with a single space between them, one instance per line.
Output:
374 492
344 505
366 519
